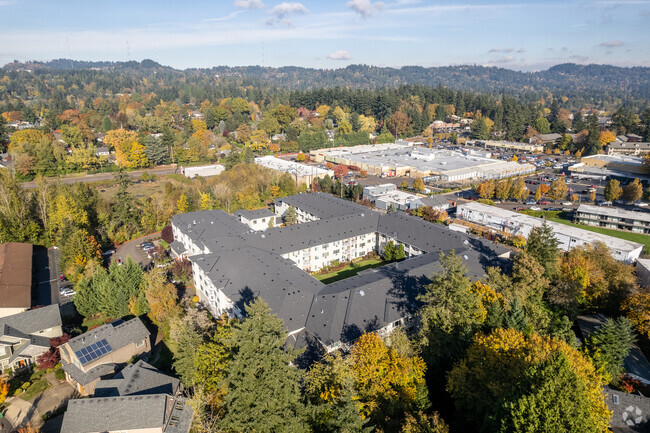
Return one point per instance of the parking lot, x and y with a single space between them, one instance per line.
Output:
132 249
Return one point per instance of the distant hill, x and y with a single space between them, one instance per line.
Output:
584 85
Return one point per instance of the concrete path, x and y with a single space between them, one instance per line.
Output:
20 411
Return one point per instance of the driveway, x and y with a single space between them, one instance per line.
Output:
132 249
46 273
21 412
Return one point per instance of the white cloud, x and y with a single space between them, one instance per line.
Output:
501 50
340 55
501 60
249 4
579 59
284 9
611 44
521 50
365 8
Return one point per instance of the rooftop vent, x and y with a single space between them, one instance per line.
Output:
362 293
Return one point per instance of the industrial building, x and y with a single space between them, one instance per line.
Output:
603 166
399 159
613 218
302 173
233 264
567 236
508 145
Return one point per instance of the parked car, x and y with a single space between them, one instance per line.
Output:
567 203
567 209
67 292
148 248
544 202
604 203
529 202
518 208
535 208
642 204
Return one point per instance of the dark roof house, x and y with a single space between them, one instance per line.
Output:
15 277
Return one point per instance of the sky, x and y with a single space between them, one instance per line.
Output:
520 35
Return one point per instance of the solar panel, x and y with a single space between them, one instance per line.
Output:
93 351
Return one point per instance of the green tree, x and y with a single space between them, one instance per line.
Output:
389 251
157 152
260 366
480 129
399 252
516 318
610 345
542 245
551 397
613 190
542 126
448 301
290 216
213 357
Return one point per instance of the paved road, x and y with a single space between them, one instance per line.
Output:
105 176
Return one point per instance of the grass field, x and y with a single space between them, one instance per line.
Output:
349 271
630 236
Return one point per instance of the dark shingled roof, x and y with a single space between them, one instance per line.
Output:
137 379
118 334
255 213
38 319
246 264
631 412
322 205
84 378
115 414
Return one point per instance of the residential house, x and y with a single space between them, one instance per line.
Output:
15 278
630 412
102 151
102 351
636 365
26 336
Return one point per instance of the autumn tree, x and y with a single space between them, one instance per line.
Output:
502 190
637 307
517 189
162 298
418 184
508 379
486 189
558 189
605 138
183 204
341 170
633 191
4 389
613 190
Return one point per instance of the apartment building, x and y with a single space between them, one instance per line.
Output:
613 218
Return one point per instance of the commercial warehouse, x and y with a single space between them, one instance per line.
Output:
406 160
567 236
302 173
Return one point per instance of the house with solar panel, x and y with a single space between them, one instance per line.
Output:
102 352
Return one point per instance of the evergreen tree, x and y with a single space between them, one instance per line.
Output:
610 345
542 245
389 251
516 318
480 130
290 216
399 252
157 152
263 388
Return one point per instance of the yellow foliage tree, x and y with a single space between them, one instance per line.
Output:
206 201
323 110
199 125
495 363
606 137
381 374
637 306
4 390
183 204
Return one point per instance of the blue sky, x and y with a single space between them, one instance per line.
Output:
522 35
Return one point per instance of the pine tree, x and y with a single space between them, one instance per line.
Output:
516 318
291 216
399 252
610 345
389 251
263 389
542 245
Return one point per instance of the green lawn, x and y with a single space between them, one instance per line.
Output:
89 322
629 236
35 389
349 271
